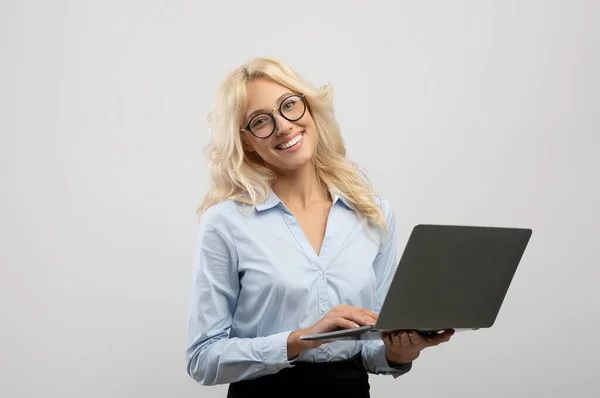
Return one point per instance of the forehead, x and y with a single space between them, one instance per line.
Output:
263 93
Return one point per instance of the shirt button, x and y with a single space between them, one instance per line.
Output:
323 309
320 272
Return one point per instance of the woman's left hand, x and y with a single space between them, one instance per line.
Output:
406 346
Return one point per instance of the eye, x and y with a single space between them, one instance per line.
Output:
259 121
289 104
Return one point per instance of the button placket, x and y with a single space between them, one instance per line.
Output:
317 262
323 302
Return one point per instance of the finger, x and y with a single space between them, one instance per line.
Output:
348 309
415 338
404 340
370 313
430 340
444 337
387 340
437 338
359 317
344 323
401 339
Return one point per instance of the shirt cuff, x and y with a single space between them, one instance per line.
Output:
383 367
274 352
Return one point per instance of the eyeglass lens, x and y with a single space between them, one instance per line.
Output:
292 108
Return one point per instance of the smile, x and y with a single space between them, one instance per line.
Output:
290 143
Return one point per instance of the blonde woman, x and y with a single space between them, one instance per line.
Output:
291 242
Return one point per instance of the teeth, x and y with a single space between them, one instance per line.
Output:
290 143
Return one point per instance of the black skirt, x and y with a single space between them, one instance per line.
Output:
347 378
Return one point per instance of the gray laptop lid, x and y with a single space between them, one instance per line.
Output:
452 277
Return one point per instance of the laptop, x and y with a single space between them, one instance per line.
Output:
449 277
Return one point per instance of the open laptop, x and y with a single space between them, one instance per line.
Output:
449 277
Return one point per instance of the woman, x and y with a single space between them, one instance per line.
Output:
291 242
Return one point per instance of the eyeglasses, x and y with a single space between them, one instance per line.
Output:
291 108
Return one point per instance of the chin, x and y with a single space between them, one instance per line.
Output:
293 164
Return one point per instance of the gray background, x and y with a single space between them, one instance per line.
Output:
469 112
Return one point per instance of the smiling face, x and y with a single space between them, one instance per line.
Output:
292 144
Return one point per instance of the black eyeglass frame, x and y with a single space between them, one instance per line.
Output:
278 109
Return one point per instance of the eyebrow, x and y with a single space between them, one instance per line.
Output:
256 112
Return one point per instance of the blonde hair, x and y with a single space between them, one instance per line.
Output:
236 175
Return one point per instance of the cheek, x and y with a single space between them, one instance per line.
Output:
314 135
309 124
252 143
258 146
308 121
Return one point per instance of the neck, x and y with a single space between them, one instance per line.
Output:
301 188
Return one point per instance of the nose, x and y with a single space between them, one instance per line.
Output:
282 125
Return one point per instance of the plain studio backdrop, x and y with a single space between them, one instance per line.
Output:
462 112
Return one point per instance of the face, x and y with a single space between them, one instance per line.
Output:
292 144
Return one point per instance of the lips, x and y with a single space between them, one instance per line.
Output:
290 142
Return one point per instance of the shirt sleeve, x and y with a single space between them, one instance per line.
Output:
212 357
373 351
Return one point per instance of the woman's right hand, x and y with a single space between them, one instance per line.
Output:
339 317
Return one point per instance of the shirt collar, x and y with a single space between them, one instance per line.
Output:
335 196
273 200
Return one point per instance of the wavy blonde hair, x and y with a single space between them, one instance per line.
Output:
236 175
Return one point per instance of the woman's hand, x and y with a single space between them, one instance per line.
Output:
339 317
403 347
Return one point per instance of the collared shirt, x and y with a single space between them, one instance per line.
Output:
256 278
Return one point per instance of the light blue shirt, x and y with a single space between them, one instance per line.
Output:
256 279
